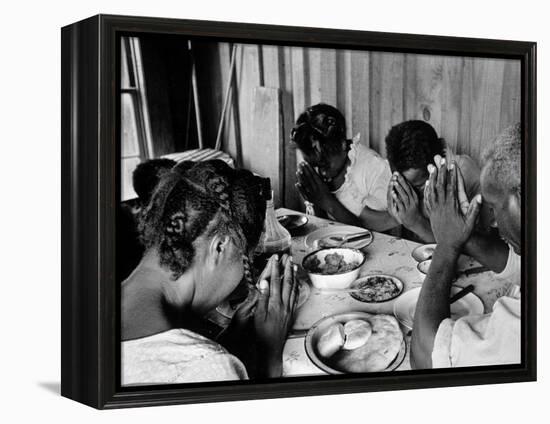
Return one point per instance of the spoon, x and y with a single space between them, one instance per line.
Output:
350 237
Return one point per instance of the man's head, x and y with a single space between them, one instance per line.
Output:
501 184
147 175
320 134
410 147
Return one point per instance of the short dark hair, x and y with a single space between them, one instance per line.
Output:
412 145
147 175
320 123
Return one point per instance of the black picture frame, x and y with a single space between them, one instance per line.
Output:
90 193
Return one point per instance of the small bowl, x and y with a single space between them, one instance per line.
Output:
424 266
463 264
293 222
424 252
338 281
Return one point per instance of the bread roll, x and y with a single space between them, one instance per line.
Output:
357 333
377 354
331 341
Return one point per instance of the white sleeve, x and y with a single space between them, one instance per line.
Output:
441 354
376 197
512 270
475 340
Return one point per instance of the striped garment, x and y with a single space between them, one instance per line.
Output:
201 155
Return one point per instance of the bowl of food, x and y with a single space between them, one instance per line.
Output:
333 268
356 342
376 288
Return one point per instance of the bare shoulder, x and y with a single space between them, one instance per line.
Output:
467 164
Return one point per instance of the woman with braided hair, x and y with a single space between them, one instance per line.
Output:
198 229
342 178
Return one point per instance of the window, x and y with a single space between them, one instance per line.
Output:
135 124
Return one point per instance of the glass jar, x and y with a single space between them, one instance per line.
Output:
274 239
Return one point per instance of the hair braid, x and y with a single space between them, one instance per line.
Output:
247 276
197 200
320 126
218 186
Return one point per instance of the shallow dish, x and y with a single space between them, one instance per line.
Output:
336 281
405 306
293 222
315 332
365 290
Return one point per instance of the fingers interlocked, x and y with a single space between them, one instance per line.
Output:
277 292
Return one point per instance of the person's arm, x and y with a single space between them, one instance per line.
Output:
313 189
421 227
408 208
433 305
451 228
368 218
238 337
274 316
491 252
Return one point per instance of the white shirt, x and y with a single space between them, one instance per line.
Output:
366 181
512 270
473 340
489 339
177 356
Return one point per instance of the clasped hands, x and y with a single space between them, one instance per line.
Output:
312 188
452 216
272 305
403 202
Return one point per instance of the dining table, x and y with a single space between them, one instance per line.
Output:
386 254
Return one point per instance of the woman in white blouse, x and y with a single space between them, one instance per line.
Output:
344 179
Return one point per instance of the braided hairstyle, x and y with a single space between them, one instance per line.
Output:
249 212
202 199
319 125
147 175
413 145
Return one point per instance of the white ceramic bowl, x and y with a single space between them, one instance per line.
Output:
424 252
424 266
337 281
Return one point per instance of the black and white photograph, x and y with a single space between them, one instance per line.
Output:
291 211
240 212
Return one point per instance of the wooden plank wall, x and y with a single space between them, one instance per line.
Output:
467 100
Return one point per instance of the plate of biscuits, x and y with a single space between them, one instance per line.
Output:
356 342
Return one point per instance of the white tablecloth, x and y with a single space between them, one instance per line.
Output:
385 255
